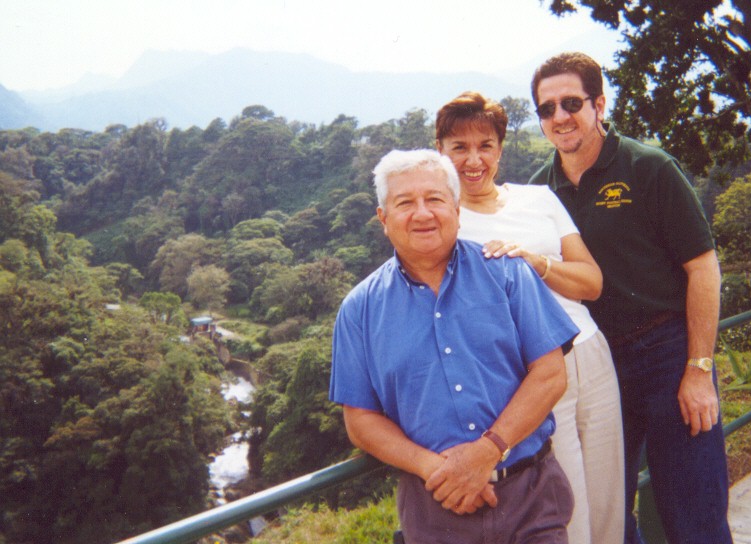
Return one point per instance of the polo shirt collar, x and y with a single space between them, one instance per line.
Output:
609 148
606 156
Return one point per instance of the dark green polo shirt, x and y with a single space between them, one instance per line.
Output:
641 220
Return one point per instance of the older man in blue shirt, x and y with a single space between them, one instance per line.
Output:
448 366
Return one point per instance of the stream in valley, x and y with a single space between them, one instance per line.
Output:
231 465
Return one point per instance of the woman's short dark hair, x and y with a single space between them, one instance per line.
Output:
471 109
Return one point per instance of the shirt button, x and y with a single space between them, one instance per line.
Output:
438 315
458 387
471 426
422 287
447 350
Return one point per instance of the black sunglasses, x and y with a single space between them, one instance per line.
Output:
571 104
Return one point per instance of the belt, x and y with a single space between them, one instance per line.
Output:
521 464
629 337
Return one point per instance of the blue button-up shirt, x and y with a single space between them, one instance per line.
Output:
444 367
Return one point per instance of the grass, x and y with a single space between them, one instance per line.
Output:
371 524
734 403
243 328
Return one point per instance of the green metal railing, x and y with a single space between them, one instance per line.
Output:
191 529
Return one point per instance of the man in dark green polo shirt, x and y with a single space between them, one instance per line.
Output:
659 307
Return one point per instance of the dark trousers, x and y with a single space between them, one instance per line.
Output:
689 474
534 507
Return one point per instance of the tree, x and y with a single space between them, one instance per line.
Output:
352 213
308 435
682 75
162 307
310 289
517 110
262 113
356 259
251 229
732 225
127 278
134 168
250 261
176 259
416 130
337 148
305 231
253 160
208 286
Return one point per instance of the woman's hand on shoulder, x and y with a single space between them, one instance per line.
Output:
499 248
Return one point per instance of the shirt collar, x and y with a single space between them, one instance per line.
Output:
606 156
450 267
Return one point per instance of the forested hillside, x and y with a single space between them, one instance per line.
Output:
108 240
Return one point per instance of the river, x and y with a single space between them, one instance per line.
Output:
231 465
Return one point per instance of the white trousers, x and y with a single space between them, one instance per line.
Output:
588 443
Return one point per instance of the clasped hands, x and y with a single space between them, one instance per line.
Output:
461 481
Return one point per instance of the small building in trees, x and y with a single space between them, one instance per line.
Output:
203 325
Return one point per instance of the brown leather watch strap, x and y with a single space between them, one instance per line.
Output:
499 443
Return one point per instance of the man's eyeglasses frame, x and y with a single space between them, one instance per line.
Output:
570 104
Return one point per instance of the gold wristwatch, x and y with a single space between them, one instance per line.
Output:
703 363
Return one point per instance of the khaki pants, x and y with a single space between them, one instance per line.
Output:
588 443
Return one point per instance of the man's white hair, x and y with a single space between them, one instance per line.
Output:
398 162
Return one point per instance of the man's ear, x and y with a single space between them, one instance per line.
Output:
438 146
600 107
382 218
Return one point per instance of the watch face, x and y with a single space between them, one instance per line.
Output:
704 363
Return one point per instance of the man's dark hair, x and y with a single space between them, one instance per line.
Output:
570 63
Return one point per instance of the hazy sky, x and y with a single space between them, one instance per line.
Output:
52 43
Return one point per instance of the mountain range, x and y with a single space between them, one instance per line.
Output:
192 88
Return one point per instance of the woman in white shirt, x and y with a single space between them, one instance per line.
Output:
530 222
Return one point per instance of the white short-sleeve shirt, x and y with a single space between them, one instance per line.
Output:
534 218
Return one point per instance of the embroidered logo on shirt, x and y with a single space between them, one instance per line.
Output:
613 195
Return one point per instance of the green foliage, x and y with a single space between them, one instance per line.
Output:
110 423
373 523
106 418
162 307
518 112
176 259
356 259
249 262
311 289
732 222
128 280
134 168
735 295
208 286
741 365
351 213
257 228
299 430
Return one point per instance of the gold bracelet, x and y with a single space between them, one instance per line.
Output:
548 264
